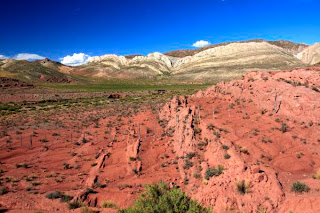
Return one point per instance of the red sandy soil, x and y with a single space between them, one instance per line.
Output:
240 114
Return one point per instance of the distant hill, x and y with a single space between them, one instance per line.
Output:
211 63
291 47
37 71
227 60
310 55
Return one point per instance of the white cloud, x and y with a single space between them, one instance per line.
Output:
201 43
27 56
3 57
76 59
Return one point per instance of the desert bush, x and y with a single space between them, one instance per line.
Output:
84 140
190 155
97 184
187 164
66 166
132 158
225 147
214 172
243 187
54 195
197 175
23 165
227 156
217 134
317 175
299 187
262 210
89 191
3 191
202 144
66 198
87 210
244 151
75 204
109 204
284 127
210 127
159 198
197 131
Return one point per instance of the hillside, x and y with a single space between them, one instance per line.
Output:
234 60
223 61
310 55
37 71
291 47
209 64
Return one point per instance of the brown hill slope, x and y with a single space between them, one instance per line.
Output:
36 71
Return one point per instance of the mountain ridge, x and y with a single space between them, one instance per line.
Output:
219 61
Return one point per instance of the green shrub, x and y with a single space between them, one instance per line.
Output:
225 147
109 204
54 195
75 204
284 127
227 156
187 164
66 198
190 155
87 210
299 187
3 191
243 187
214 172
159 198
23 165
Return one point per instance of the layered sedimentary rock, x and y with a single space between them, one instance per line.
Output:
225 61
310 55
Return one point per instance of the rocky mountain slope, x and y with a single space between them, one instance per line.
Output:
213 63
220 61
291 47
310 55
235 59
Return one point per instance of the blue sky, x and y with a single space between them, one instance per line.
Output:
59 28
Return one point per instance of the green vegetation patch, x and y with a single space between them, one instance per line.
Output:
159 198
